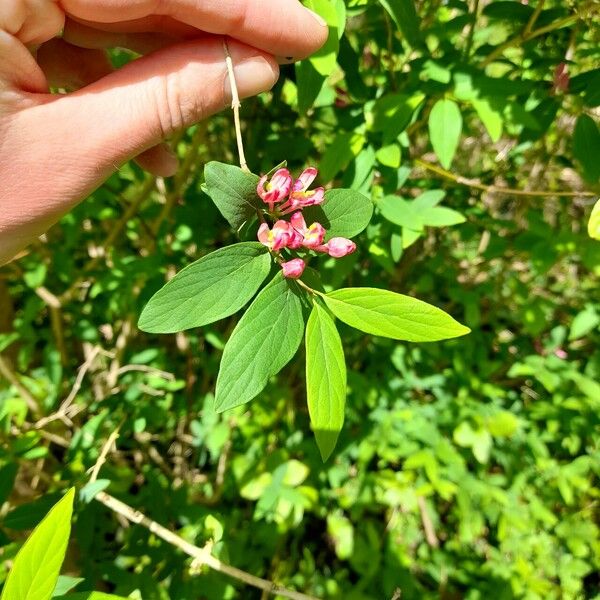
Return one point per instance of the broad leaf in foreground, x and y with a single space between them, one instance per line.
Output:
233 191
91 596
212 288
345 213
325 379
37 565
263 342
391 315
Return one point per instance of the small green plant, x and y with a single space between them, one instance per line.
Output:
268 335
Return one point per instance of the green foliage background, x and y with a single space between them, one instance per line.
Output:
465 469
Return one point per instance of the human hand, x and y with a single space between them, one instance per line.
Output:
55 149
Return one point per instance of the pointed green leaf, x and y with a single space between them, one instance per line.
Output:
345 147
345 213
233 191
212 288
37 566
401 212
404 14
445 127
324 60
490 117
586 147
387 314
440 216
325 379
594 222
309 83
263 342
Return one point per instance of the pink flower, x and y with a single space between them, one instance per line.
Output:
338 247
283 235
293 269
301 196
312 236
275 190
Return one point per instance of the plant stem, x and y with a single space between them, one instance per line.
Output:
492 189
201 556
472 30
235 105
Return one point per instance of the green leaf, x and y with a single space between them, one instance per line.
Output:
404 14
391 315
89 491
390 156
345 213
490 117
401 212
325 59
325 379
65 584
586 147
594 222
584 322
37 565
212 288
344 148
263 342
309 83
445 127
233 191
8 474
440 216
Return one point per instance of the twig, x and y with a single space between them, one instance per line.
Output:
471 33
7 372
397 594
63 410
493 189
201 556
146 369
427 523
235 105
112 438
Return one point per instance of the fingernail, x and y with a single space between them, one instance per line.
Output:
253 76
318 18
285 60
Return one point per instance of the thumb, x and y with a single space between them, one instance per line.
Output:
96 129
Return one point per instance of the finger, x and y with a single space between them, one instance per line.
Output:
32 22
90 133
69 67
18 68
143 42
159 160
279 27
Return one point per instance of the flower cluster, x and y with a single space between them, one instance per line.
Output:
285 196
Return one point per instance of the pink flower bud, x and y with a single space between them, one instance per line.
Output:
264 236
339 247
293 269
275 190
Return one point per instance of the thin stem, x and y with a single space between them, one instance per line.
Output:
201 556
472 30
492 189
235 105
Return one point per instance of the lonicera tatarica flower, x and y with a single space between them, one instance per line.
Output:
277 189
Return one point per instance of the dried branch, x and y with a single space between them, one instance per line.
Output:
493 189
201 556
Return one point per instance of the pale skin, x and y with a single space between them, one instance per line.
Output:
57 148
